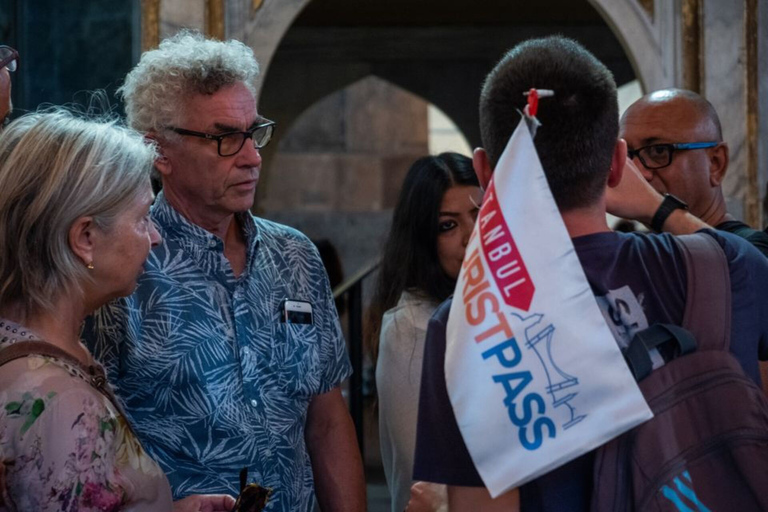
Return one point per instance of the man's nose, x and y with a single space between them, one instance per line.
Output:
249 155
644 171
466 234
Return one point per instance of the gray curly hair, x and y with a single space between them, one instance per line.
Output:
184 64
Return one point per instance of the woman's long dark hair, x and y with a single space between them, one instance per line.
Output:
410 258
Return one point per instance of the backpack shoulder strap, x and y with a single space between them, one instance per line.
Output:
708 295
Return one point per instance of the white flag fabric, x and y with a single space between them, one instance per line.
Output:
533 372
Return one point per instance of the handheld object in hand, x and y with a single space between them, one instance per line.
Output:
252 497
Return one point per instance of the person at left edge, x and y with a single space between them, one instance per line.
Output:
9 61
210 376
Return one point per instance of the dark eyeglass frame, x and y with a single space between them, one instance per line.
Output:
678 146
266 123
12 61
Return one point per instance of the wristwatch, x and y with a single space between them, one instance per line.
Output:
668 205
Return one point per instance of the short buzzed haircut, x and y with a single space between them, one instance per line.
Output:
580 123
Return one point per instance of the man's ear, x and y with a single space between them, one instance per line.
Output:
81 239
482 167
618 160
718 164
162 163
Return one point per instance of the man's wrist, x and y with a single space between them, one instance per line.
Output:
651 209
668 205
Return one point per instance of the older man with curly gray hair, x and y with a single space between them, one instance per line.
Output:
216 369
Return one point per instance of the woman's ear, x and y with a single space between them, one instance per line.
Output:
82 239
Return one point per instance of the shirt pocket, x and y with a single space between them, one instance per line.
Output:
295 357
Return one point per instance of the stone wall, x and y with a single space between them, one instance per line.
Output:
338 169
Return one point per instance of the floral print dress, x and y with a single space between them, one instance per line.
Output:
64 446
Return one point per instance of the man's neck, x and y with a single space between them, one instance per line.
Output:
226 227
715 212
586 221
219 224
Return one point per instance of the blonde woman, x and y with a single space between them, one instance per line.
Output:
74 234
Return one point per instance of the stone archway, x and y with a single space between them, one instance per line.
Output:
648 33
648 36
263 28
261 24
713 47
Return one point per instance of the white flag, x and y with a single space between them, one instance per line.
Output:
533 372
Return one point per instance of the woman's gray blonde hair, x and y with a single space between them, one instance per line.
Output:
184 64
56 167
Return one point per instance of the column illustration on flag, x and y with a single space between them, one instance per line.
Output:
534 374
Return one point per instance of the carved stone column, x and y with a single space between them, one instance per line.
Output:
261 25
150 24
719 49
730 68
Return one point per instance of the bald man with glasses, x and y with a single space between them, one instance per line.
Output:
675 140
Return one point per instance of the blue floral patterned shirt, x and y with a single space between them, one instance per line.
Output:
210 377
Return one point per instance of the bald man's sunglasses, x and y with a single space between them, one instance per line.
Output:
658 156
9 58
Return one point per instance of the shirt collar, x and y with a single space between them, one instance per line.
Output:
174 225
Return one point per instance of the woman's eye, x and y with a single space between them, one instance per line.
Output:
446 226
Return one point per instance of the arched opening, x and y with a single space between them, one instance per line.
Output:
439 51
338 167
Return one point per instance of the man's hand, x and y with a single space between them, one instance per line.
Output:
205 503
336 463
427 497
633 198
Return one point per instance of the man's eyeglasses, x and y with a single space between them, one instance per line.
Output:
9 58
231 143
658 156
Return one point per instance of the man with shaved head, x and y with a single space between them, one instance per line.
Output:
675 139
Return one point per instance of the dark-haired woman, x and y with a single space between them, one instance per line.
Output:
431 225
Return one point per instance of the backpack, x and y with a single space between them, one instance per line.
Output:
706 448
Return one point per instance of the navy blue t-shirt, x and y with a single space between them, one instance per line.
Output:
637 280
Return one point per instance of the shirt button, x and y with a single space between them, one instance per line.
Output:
254 403
268 452
247 351
212 243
